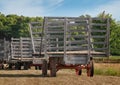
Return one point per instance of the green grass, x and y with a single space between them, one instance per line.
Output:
114 57
108 71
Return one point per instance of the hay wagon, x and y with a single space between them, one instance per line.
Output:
62 43
70 43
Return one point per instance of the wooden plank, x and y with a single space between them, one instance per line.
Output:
56 42
54 36
76 36
75 48
98 24
55 48
36 27
28 59
101 19
99 49
76 18
27 39
55 29
98 42
26 49
55 26
98 30
50 32
77 42
74 52
77 24
77 30
36 33
53 21
98 36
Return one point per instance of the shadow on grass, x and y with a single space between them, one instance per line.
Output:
22 75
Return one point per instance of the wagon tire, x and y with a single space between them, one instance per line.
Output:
80 72
90 70
26 66
53 67
44 68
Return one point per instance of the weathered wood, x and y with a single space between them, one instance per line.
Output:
56 26
98 24
108 36
98 36
77 42
55 32
98 30
76 36
77 24
77 30
62 34
98 42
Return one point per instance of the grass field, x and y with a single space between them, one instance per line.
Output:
107 69
114 57
64 77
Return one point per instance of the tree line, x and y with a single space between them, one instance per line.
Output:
17 26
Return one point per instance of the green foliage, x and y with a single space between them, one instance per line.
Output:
16 26
115 38
114 34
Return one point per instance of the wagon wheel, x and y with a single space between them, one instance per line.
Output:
10 66
35 67
26 65
53 67
79 72
17 66
90 70
44 68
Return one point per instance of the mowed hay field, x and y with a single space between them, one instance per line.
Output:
64 77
